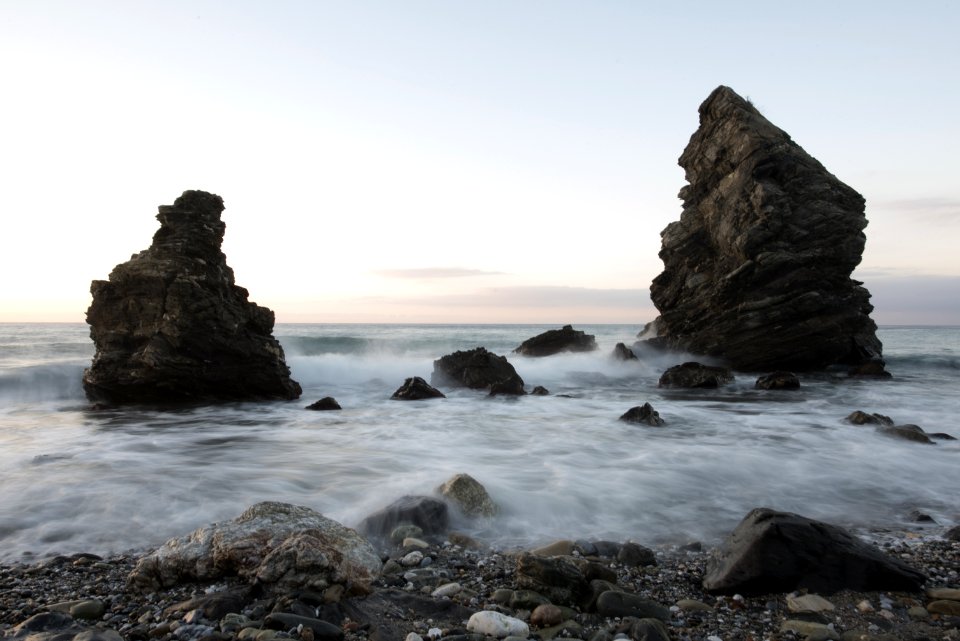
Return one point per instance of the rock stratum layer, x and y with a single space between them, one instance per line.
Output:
757 269
172 326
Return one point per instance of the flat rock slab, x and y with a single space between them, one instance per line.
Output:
277 545
555 341
772 551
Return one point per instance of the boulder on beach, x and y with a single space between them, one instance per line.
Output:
416 389
775 552
757 270
477 369
427 513
554 341
276 545
695 375
469 495
171 325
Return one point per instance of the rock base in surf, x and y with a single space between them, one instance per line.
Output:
477 369
172 326
555 341
757 269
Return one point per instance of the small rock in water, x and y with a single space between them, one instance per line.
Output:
467 493
497 625
623 353
695 375
862 418
778 381
416 389
540 390
643 414
325 403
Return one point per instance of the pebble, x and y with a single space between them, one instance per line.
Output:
413 636
413 542
447 590
809 603
949 608
412 559
497 625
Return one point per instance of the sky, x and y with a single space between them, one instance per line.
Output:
456 161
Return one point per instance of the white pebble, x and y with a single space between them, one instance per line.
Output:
448 589
434 633
497 625
413 636
412 559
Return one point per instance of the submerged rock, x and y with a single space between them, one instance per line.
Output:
477 369
908 432
554 341
694 375
757 269
171 325
778 381
643 414
772 552
427 513
860 417
276 545
415 389
623 353
325 404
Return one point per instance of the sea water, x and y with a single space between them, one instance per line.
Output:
73 479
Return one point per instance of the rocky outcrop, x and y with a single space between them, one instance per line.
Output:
416 389
695 375
757 269
326 403
772 552
171 325
477 369
429 514
623 353
554 341
275 545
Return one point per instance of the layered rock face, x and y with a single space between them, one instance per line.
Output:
757 269
171 324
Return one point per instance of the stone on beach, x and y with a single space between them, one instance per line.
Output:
757 270
171 325
469 495
555 341
772 551
427 513
497 625
325 404
277 545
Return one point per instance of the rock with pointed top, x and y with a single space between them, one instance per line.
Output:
171 325
415 389
757 269
477 369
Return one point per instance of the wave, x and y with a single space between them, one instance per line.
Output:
55 381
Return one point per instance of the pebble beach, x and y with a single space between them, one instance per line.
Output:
431 589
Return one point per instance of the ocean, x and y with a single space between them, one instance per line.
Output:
74 479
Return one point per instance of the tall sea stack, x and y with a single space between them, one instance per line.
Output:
757 269
172 326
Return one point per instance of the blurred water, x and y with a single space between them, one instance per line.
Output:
73 479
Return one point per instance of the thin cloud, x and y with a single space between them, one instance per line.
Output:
910 298
933 210
542 296
425 273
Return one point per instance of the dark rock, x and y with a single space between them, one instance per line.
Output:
644 629
634 555
772 552
58 626
325 403
593 570
476 369
614 603
941 436
862 418
213 606
540 390
322 631
778 381
510 387
607 548
623 353
953 534
379 612
907 432
643 414
415 389
468 494
916 516
172 326
429 514
874 368
695 375
584 547
757 269
597 587
527 600
558 578
555 341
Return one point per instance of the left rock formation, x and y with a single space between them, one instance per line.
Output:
171 325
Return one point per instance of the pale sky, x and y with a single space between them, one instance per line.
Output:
456 161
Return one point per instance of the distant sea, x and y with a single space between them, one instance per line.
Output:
561 466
